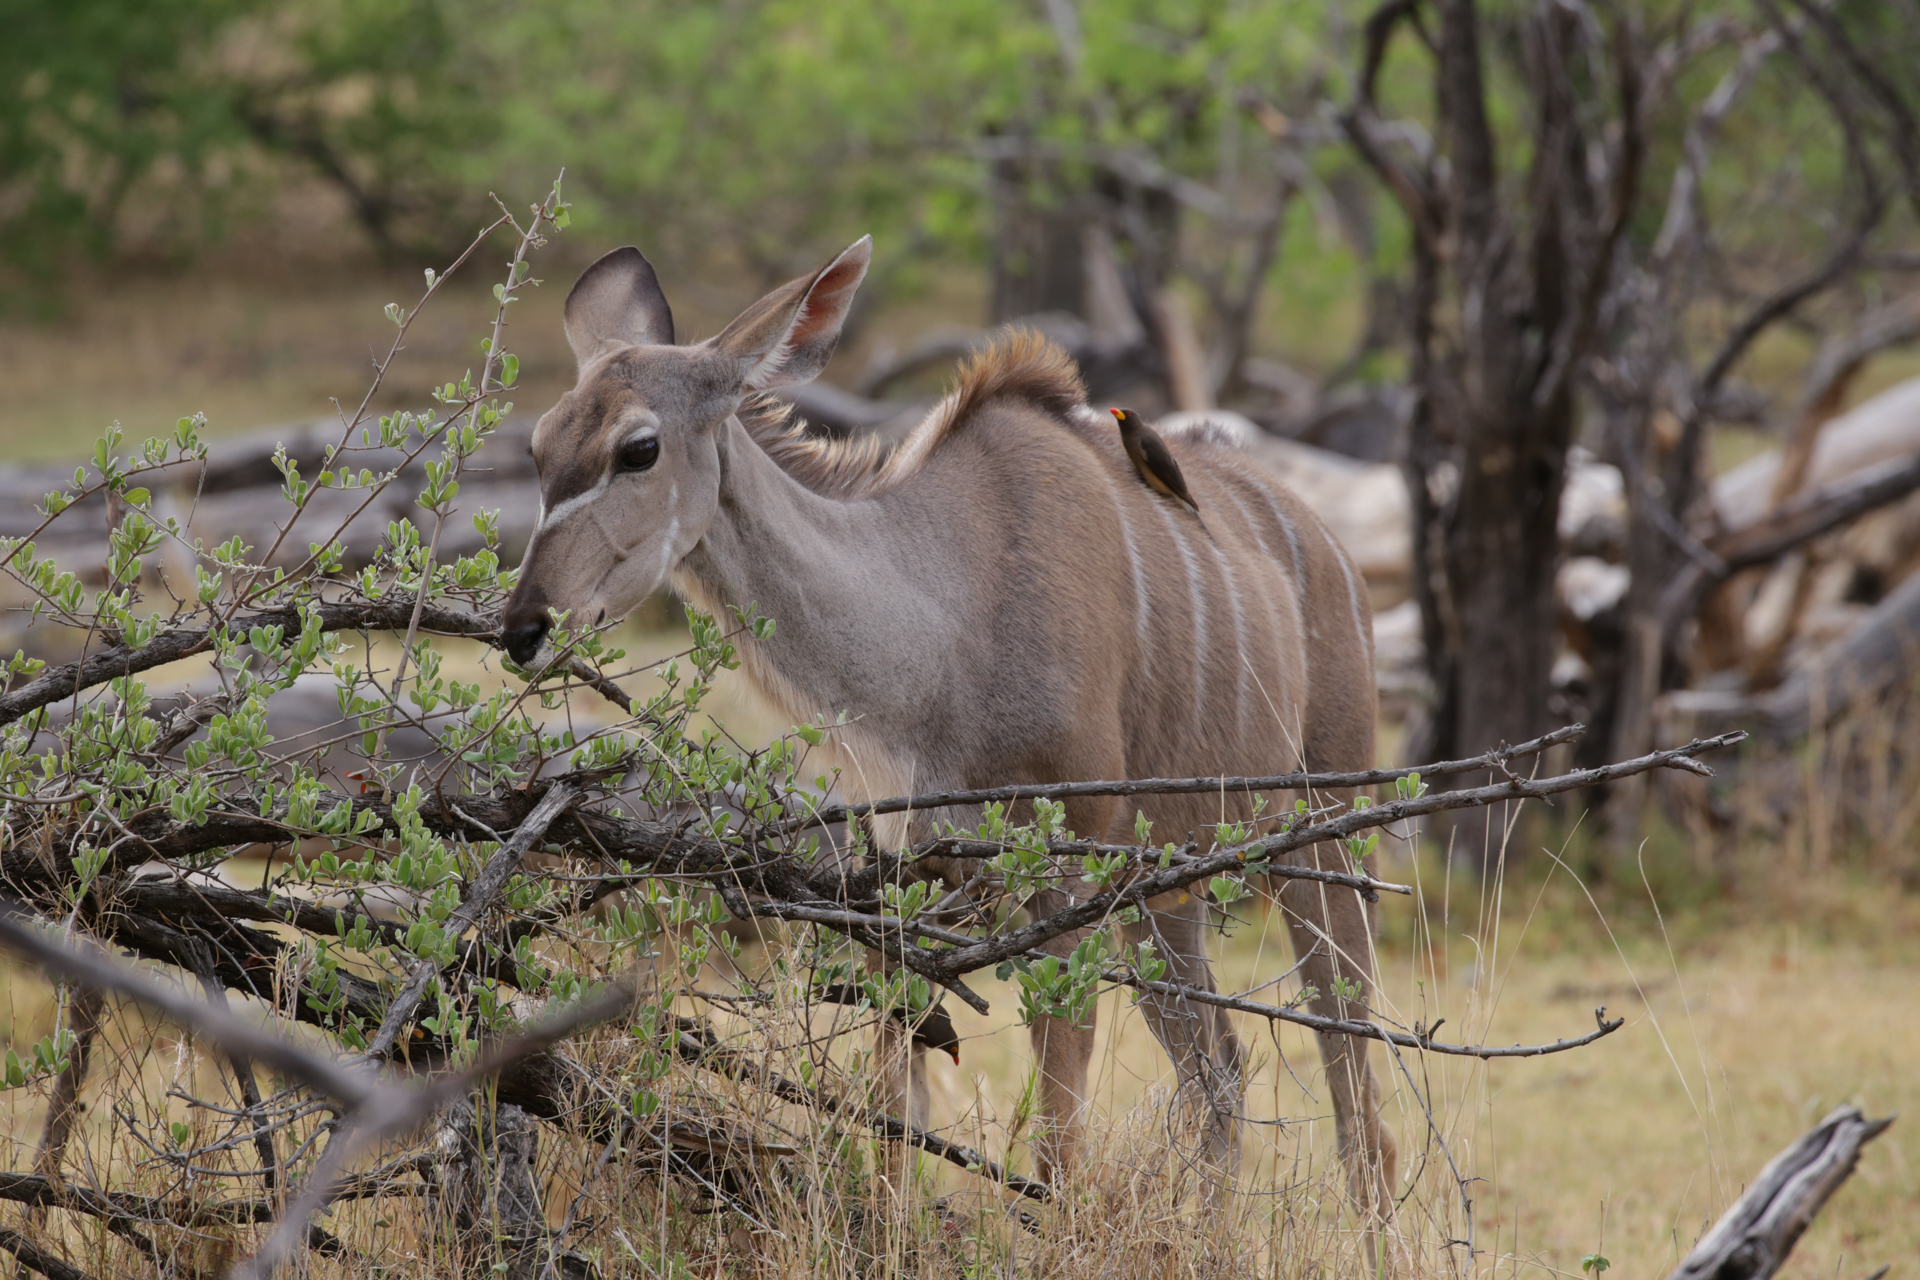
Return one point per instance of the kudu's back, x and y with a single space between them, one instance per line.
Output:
1110 632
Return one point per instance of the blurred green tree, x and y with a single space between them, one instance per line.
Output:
97 95
124 112
758 133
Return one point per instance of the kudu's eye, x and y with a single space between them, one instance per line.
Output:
638 454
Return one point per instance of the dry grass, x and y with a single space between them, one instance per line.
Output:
1738 1038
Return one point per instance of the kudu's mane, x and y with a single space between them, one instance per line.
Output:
1021 365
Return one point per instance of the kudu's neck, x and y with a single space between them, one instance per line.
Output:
860 619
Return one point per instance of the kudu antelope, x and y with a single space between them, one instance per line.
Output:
998 600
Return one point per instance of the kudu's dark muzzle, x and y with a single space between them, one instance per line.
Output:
522 638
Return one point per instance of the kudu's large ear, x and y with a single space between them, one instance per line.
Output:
617 302
789 335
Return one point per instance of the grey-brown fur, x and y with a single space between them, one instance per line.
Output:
999 600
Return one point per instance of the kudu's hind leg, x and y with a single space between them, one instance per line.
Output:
1199 1038
1333 929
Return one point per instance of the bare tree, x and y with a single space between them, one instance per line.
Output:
1508 275
1659 399
1533 290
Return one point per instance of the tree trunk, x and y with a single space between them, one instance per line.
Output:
1488 444
1038 262
490 1191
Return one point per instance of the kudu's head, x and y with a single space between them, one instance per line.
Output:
629 459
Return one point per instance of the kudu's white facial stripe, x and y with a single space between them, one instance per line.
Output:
550 520
646 423
673 530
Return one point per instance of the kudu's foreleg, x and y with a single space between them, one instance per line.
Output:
1332 928
1062 1055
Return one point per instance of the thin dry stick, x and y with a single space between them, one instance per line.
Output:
84 1009
1296 781
528 237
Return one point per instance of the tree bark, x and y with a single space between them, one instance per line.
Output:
1497 320
1753 1238
491 1193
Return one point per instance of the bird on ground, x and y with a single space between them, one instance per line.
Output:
931 1028
1152 459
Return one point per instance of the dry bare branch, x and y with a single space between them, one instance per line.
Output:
1752 1239
1296 781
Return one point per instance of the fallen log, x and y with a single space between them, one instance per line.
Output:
1783 530
1875 431
1865 668
1753 1238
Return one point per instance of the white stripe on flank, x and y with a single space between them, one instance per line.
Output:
1239 633
1293 535
1247 521
1298 568
1353 598
1199 656
1291 599
1269 599
1139 574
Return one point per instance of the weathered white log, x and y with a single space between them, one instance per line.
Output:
1887 426
1753 1238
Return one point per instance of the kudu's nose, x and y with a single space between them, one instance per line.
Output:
523 641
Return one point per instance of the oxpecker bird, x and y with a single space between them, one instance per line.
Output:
1152 459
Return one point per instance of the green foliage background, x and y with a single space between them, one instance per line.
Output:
758 129
758 135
